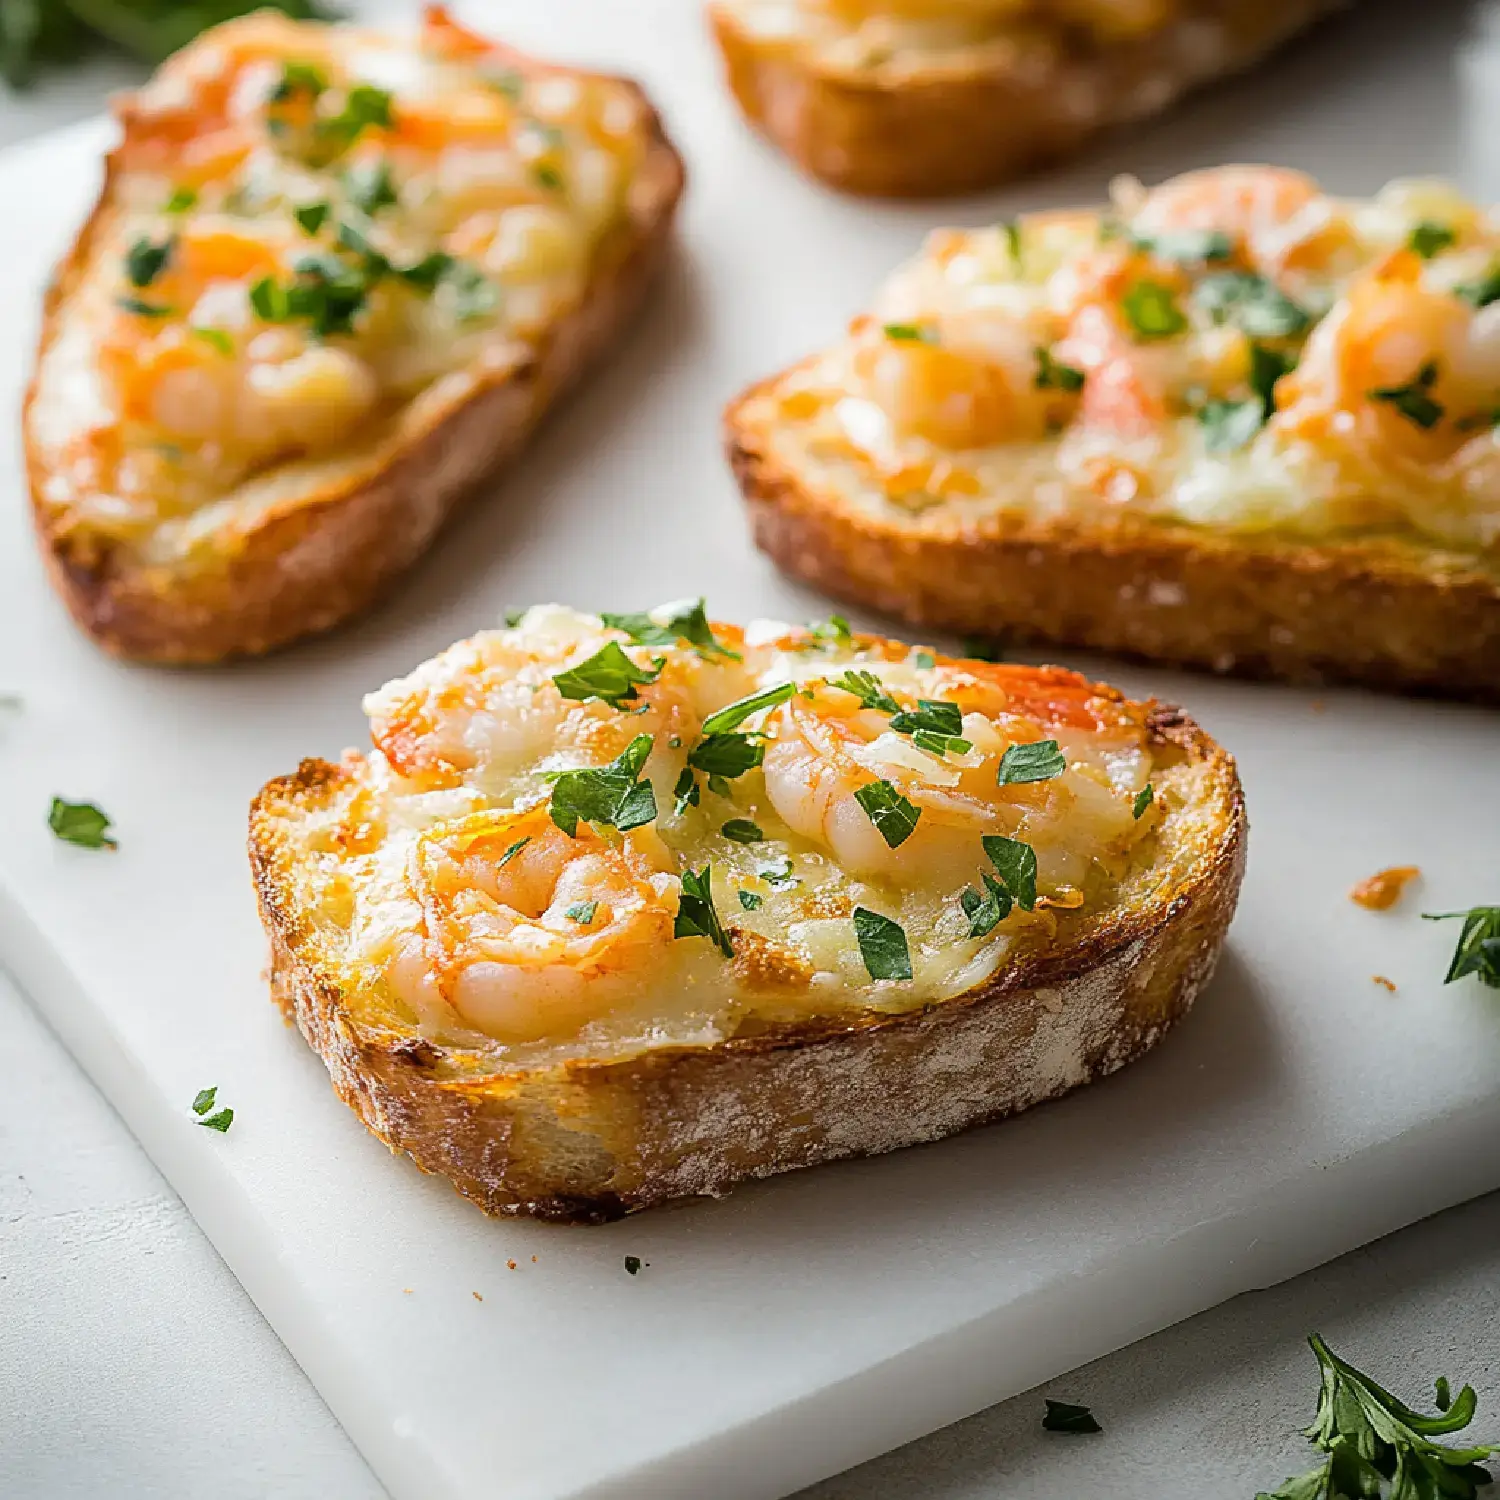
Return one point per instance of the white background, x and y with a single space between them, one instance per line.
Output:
132 1365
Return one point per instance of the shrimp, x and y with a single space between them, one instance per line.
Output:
1125 386
530 933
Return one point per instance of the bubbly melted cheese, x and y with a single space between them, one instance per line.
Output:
1234 349
314 229
759 878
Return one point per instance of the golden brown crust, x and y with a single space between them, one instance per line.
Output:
588 1141
959 127
1383 616
311 562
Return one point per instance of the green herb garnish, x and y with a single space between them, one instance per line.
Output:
925 660
1233 424
311 216
1063 1416
1016 864
1011 229
514 850
609 794
889 811
696 914
869 689
582 912
1377 1445
1151 309
910 333
1252 304
370 187
684 622
547 176
182 199
144 309
1482 292
609 674
987 910
1188 246
365 108
633 1264
1041 760
882 945
1143 799
750 901
726 755
1478 950
217 338
983 648
146 260
742 831
834 631
1414 399
80 823
1429 237
203 1102
1053 375
734 714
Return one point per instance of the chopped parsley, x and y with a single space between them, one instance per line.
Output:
146 259
742 831
609 794
1151 309
217 338
925 660
1143 800
1188 246
686 792
1063 1416
144 309
777 873
750 901
696 915
182 199
609 674
1414 400
1040 760
1252 304
1478 950
547 176
514 850
311 216
1015 863
80 823
474 294
734 714
834 631
509 82
369 186
889 811
365 108
1053 375
582 912
1233 424
1429 237
219 1120
1484 291
987 910
327 293
1011 229
684 622
882 945
633 1264
1377 1445
299 78
910 333
726 755
869 689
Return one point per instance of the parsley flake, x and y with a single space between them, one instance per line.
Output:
80 823
925 660
1063 1416
1151 309
726 756
1053 375
1016 864
146 260
1041 760
1143 800
882 945
609 674
182 199
1414 399
370 187
985 911
582 912
1478 950
834 631
514 850
889 811
1233 424
742 831
984 648
869 689
609 794
750 901
1429 237
1252 304
777 873
203 1102
910 333
143 309
1482 292
1011 229
1188 246
633 1264
217 338
684 622
732 715
310 216
696 915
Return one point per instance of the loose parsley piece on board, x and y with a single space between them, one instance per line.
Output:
882 945
80 823
1063 1416
633 1264
219 1120
1040 760
1478 950
609 674
696 914
1377 1445
609 794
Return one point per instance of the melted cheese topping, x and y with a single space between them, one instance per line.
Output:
1234 349
317 226
860 34
475 896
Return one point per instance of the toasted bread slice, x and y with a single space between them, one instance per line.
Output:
1232 424
910 98
310 313
823 895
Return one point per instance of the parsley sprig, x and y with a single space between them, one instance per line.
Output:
696 914
1377 1445
684 622
1478 949
610 794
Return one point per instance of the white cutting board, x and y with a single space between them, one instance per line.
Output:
808 1323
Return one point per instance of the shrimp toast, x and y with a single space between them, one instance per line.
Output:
624 909
1231 423
918 98
333 281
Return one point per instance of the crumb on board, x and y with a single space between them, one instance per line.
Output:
1382 980
406 1291
533 1260
510 1265
1382 890
476 1296
1319 706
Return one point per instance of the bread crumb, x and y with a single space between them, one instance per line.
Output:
406 1291
533 1260
510 1265
1383 889
1318 706
476 1296
1382 980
